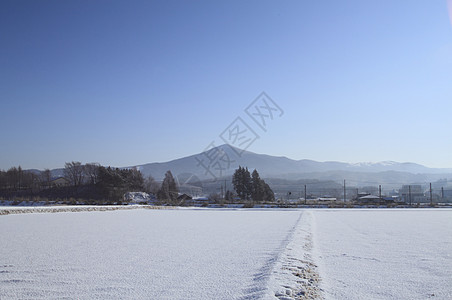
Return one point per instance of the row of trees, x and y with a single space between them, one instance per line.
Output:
88 181
113 183
93 181
76 174
16 179
251 186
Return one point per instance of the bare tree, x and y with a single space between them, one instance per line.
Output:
73 172
12 177
151 186
92 172
20 174
46 178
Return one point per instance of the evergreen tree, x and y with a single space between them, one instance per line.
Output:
114 182
269 195
257 192
168 191
242 183
247 185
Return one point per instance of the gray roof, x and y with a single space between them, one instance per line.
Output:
369 197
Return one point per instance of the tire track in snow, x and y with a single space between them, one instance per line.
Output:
257 290
295 275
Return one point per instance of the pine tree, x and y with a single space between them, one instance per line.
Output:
257 191
247 185
168 191
269 195
242 183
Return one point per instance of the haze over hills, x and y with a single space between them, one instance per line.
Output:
220 163
223 160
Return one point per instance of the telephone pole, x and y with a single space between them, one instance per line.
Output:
431 196
305 194
409 193
225 188
345 193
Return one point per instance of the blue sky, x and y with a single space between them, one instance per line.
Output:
131 82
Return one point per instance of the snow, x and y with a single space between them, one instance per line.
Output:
135 253
139 253
385 163
6 210
137 197
385 254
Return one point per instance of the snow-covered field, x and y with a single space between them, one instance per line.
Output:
385 254
227 254
144 254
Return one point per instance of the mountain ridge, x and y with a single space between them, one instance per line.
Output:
194 168
272 166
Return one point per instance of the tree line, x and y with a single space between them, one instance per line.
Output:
97 182
16 179
86 181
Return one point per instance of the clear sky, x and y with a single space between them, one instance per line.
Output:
131 82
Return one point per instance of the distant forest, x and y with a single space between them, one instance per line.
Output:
95 184
92 182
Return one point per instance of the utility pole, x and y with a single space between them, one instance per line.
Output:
345 193
409 193
431 196
442 193
225 188
305 194
379 191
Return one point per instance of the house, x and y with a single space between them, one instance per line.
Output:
388 200
369 199
59 182
327 198
185 199
362 194
201 201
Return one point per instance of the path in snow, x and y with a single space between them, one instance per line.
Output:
385 254
152 254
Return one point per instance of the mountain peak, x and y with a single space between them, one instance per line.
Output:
211 164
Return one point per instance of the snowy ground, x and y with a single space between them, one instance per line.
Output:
136 253
147 254
385 254
8 210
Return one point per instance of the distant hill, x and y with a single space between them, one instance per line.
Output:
205 166
282 167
